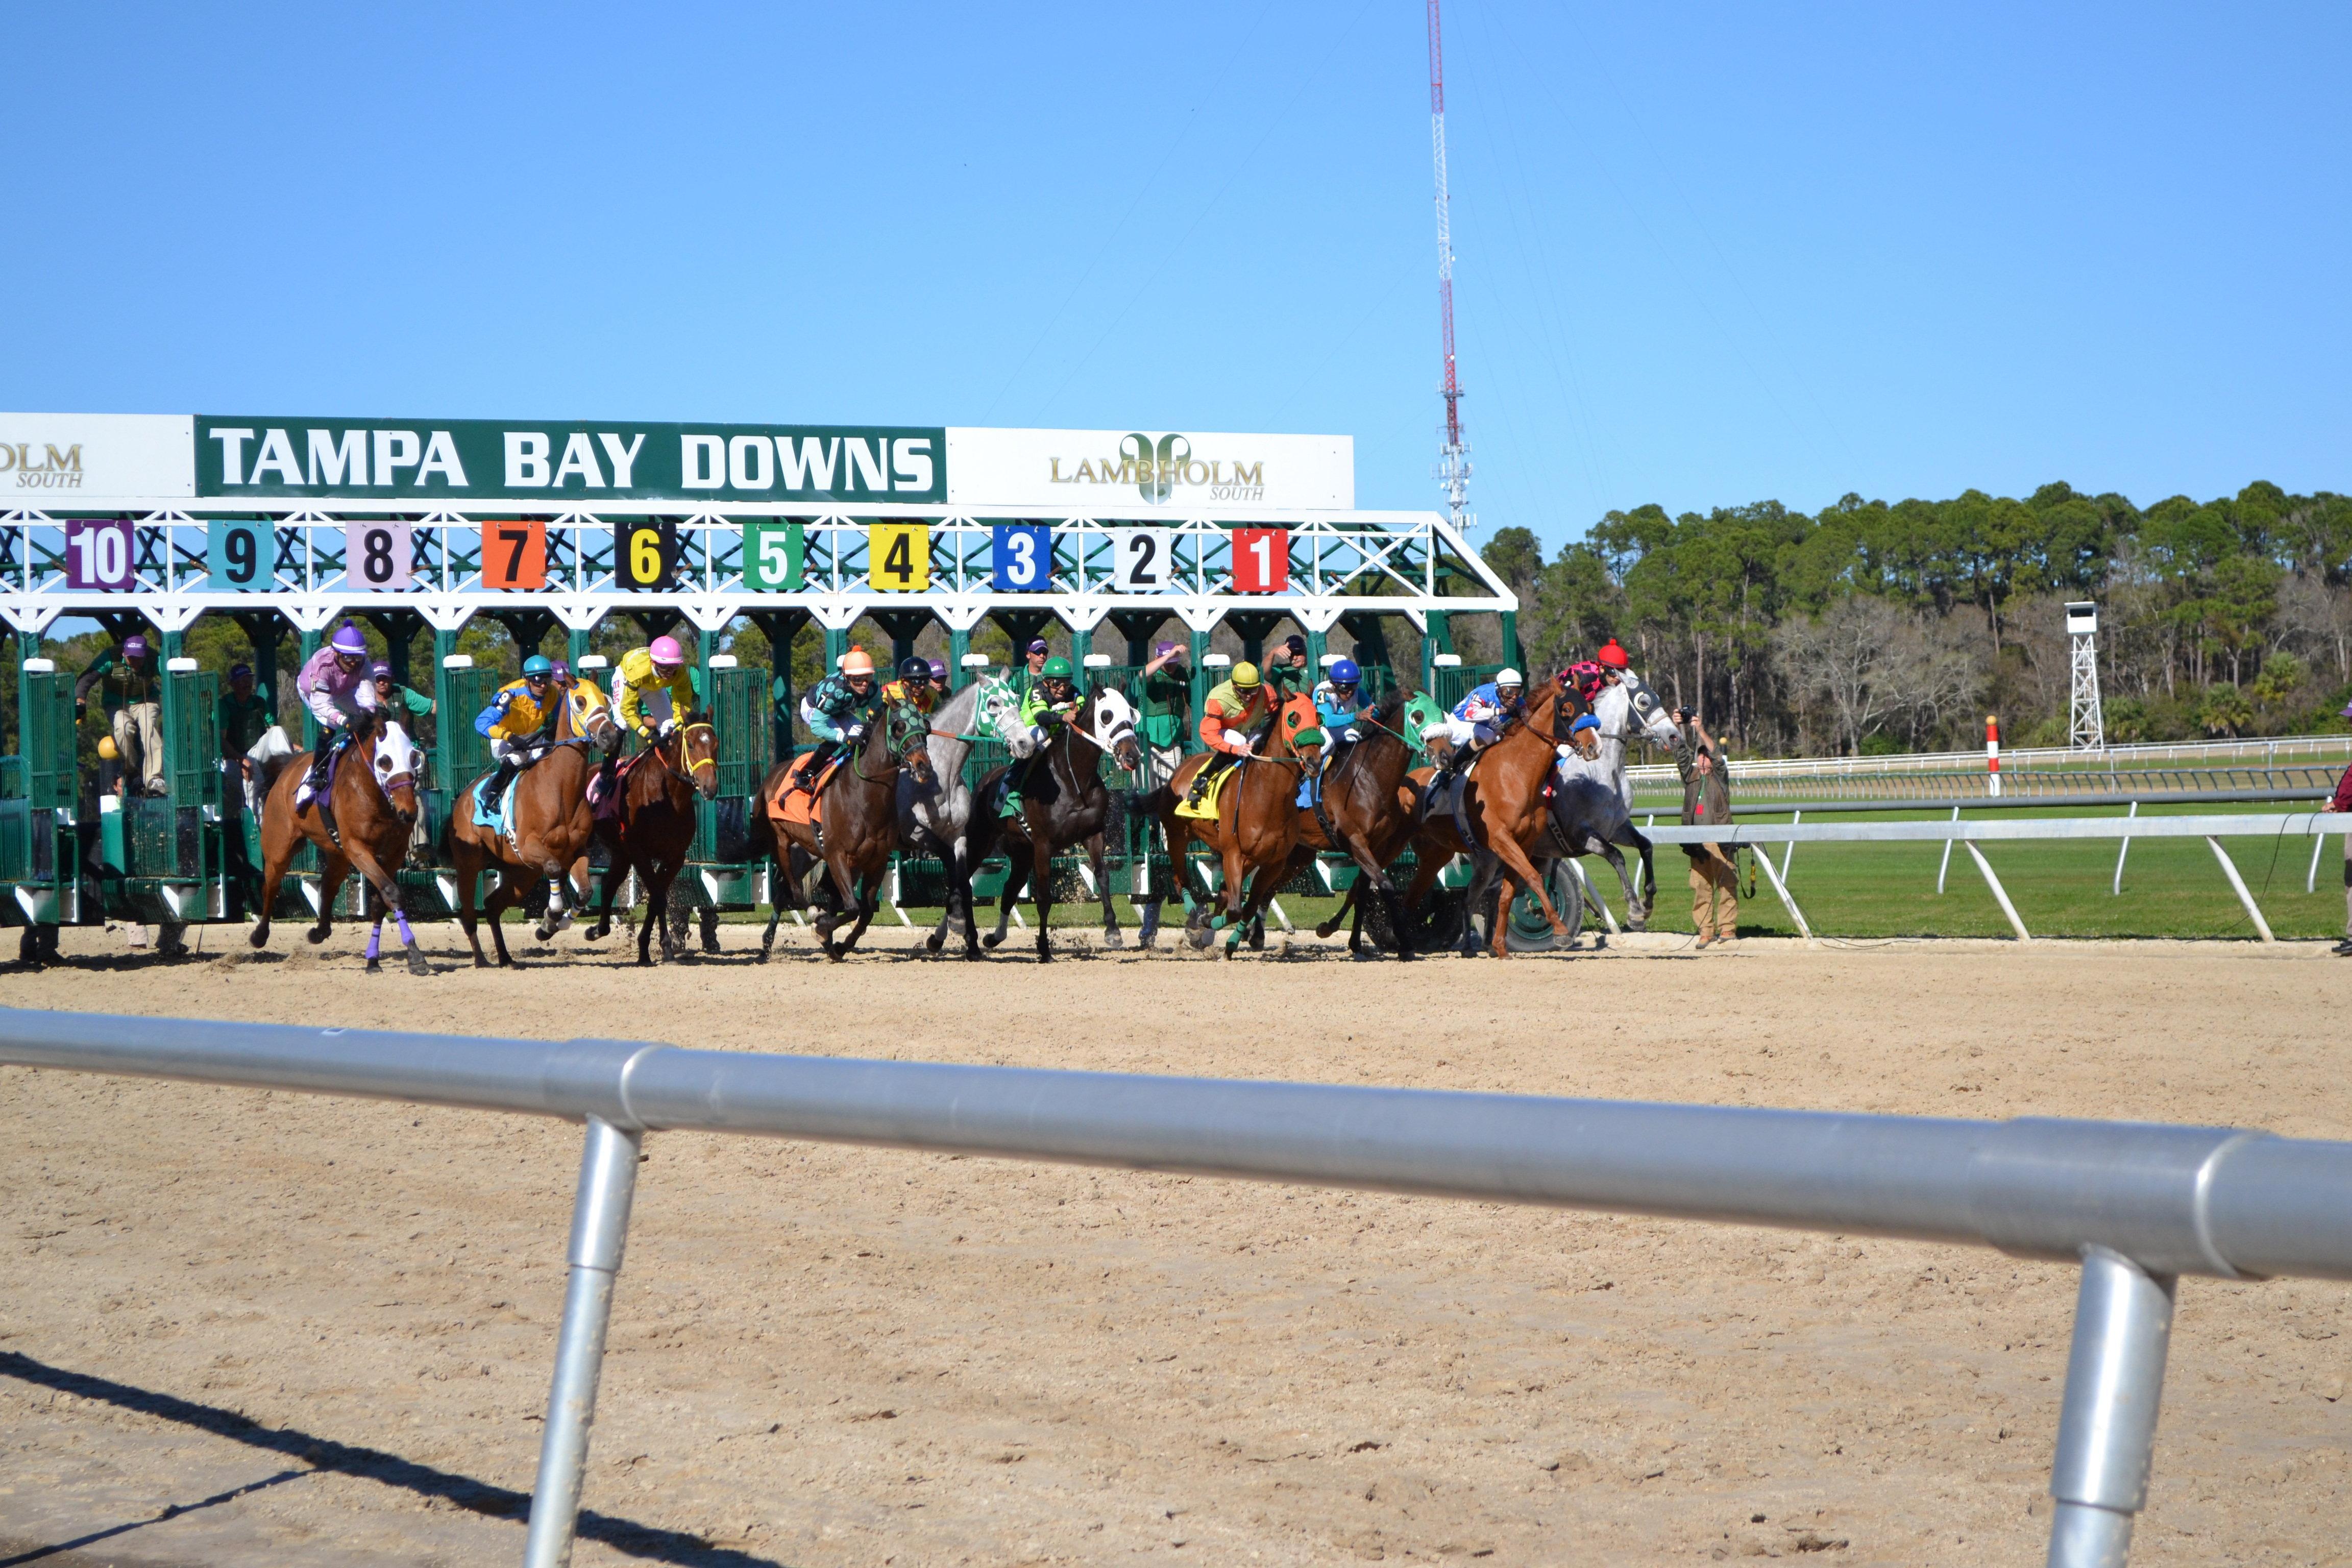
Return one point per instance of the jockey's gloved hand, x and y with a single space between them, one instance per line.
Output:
855 733
1351 733
1049 717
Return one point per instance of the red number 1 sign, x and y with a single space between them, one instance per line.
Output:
1261 560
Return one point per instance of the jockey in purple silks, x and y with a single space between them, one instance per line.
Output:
334 686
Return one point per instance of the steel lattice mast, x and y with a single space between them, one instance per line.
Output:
1454 459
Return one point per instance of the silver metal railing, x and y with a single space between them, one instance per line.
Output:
2134 1205
2264 752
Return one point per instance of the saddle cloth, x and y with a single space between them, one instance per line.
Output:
605 804
802 807
498 817
1207 810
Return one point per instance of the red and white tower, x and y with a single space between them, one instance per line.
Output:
1454 455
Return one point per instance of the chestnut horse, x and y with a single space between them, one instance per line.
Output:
374 802
858 809
551 832
1255 834
653 830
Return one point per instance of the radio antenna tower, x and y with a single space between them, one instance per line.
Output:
1454 457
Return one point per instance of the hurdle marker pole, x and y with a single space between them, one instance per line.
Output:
2121 852
600 1230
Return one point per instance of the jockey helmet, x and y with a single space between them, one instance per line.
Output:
1584 721
1610 655
349 642
1585 675
134 647
915 669
1245 676
538 667
1058 669
1508 677
1345 673
378 670
563 673
666 653
856 662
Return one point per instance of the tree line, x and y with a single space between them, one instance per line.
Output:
1877 627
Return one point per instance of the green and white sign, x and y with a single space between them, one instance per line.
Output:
593 461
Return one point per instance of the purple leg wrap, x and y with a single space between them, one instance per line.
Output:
406 939
375 938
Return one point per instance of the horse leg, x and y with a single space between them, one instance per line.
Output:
469 861
616 868
709 931
780 888
1102 886
273 876
387 894
332 869
868 899
1514 860
1637 912
656 918
1015 875
504 897
1041 892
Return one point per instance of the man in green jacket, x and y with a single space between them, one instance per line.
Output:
131 689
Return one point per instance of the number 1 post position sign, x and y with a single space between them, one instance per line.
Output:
1023 555
1261 560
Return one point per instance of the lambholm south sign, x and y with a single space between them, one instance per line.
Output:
62 460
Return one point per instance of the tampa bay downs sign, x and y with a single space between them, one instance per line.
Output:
62 461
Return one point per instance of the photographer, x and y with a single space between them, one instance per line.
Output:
1706 800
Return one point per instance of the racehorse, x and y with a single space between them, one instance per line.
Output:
1589 817
936 816
1256 831
1064 801
652 828
363 819
552 829
857 811
1355 808
1501 804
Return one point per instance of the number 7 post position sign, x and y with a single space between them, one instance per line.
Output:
1261 560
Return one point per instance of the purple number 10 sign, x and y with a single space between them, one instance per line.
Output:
97 553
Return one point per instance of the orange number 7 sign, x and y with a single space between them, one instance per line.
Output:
514 554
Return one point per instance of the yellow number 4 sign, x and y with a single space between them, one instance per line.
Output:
898 556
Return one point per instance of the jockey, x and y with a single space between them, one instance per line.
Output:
520 720
837 711
1476 721
1341 708
913 687
1238 702
333 685
659 667
1048 703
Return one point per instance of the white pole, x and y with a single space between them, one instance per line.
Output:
1585 888
2238 886
2311 878
2120 853
1275 905
1786 902
1795 818
1942 870
2000 893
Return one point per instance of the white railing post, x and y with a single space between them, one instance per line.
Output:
2238 886
2311 878
2000 893
1945 869
1764 859
2118 889
600 1231
1789 856
2106 1430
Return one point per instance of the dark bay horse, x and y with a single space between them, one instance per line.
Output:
1064 801
374 801
1255 832
1357 810
858 813
551 832
654 829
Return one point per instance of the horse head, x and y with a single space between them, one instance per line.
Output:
698 756
396 760
1425 721
1294 716
1657 725
907 736
602 731
1110 718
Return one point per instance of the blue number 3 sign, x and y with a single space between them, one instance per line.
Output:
1023 555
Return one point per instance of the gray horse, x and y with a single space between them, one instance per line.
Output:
936 818
1588 817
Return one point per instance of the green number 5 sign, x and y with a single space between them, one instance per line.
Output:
772 553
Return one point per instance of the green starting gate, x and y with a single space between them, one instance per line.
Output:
721 873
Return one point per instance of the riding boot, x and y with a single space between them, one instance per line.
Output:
1206 776
496 789
1014 776
813 769
322 760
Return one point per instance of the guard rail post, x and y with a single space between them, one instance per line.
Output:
2107 1428
600 1231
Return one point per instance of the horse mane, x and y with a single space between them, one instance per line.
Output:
1386 710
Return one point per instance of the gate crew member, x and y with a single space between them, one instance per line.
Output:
333 685
838 712
1286 669
1240 701
1167 699
394 701
134 715
245 715
518 722
1050 702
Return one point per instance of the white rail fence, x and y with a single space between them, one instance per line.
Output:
2270 752
2134 1206
1967 835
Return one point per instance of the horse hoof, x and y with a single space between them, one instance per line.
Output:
416 964
375 966
481 963
992 939
1113 939
316 935
934 942
259 937
1199 938
1325 930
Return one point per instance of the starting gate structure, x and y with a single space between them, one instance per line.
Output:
304 564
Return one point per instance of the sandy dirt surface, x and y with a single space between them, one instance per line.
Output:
244 1327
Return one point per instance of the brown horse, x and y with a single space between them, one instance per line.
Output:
1064 801
1358 810
858 810
551 832
1255 832
1504 804
373 799
652 829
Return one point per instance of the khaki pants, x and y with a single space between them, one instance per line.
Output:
1715 896
139 742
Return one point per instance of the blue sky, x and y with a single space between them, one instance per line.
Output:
1708 255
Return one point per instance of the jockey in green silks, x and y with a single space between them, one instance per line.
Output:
1050 701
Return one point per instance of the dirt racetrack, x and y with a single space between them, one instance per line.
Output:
321 1330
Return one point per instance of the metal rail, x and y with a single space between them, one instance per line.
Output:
2135 1203
2269 750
